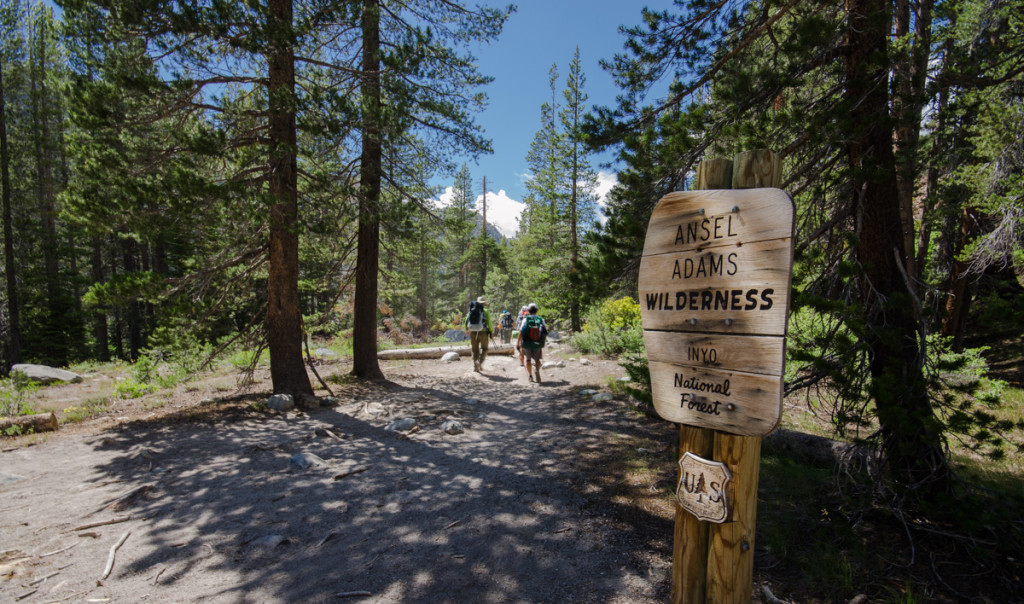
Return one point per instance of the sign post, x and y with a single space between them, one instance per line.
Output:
714 295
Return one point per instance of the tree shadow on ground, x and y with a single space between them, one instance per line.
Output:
508 511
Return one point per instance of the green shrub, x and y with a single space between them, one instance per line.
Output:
90 408
612 329
132 388
16 394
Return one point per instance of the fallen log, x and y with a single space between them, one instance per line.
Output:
439 351
40 422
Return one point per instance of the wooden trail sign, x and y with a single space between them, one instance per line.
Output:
714 296
712 557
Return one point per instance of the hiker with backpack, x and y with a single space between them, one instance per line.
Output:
506 327
478 324
531 341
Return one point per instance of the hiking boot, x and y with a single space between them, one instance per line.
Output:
530 376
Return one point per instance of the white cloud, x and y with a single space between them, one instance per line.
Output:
444 199
605 182
502 211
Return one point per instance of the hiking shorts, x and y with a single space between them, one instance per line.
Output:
533 354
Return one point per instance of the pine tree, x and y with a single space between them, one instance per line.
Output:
541 225
424 89
560 200
11 345
459 223
582 183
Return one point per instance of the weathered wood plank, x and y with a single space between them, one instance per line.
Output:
678 223
730 401
715 351
731 559
39 422
683 310
715 174
757 168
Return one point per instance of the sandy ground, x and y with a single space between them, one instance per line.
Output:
529 504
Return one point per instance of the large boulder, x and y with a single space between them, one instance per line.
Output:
42 374
455 335
401 425
281 402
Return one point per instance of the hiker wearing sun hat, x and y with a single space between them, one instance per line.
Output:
478 324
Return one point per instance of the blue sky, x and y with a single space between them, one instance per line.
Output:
539 33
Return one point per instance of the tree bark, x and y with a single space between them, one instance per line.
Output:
911 435
423 272
364 313
483 241
56 349
574 245
99 318
133 309
909 83
958 297
284 318
13 343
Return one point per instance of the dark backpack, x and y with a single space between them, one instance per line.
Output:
475 322
506 321
534 331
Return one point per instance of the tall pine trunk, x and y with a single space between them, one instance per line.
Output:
911 435
133 309
284 317
99 318
55 347
909 88
958 290
364 313
574 245
422 294
13 343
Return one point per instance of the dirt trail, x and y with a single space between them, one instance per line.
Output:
532 503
